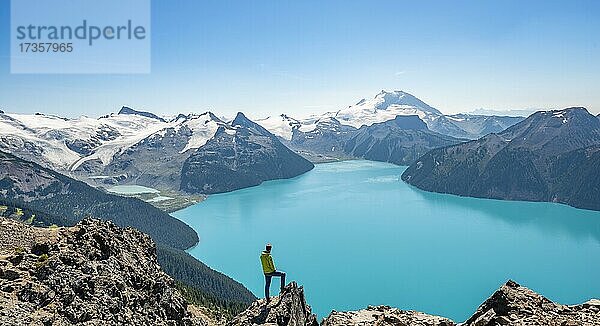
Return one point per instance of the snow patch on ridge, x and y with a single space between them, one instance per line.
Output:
203 128
280 125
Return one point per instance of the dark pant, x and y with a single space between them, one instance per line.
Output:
268 281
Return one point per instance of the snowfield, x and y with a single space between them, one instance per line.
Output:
66 144
281 125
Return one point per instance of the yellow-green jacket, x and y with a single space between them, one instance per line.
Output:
267 262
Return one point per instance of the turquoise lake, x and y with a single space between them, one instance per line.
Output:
353 234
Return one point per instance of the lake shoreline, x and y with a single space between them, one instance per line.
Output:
309 229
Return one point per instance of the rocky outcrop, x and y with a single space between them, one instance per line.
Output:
385 316
91 274
287 309
513 304
127 110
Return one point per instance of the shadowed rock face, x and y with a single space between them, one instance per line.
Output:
93 273
400 141
287 309
550 156
238 158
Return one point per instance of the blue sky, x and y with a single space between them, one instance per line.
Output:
302 57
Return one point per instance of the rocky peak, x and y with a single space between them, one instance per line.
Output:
411 122
206 115
562 130
92 273
384 99
127 110
242 121
287 309
514 304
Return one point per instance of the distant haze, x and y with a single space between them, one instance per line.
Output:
508 113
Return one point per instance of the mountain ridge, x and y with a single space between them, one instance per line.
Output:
243 157
385 106
399 141
132 147
44 190
528 161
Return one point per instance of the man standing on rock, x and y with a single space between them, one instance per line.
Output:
270 271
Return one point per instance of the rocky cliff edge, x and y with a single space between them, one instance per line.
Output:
512 304
94 273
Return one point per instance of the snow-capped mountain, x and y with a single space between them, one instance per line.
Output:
386 106
239 158
130 146
67 144
324 137
281 125
59 142
383 107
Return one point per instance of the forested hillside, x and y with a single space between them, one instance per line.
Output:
55 195
202 284
42 197
550 156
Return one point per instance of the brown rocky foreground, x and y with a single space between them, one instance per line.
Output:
512 304
94 273
97 273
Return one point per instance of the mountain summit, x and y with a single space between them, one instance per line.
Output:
386 106
128 110
240 155
383 107
385 100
